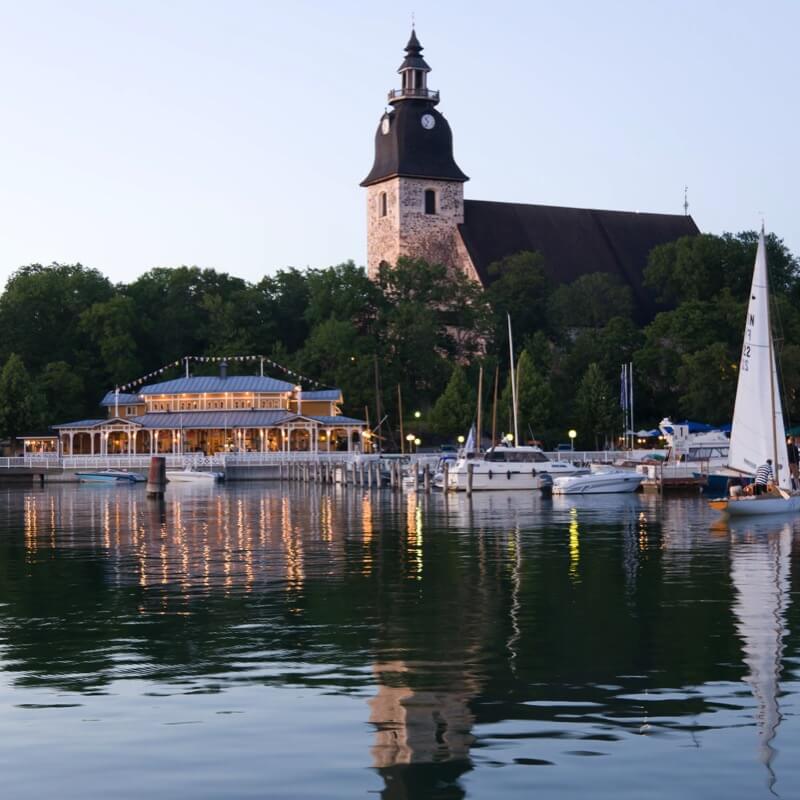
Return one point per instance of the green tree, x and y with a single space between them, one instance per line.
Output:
697 267
337 355
20 408
707 383
454 411
343 292
596 407
62 390
40 312
111 325
535 404
591 301
520 287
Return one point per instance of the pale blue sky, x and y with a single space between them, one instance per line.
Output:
234 134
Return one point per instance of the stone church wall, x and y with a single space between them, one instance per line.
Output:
407 230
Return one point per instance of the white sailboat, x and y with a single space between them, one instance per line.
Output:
758 431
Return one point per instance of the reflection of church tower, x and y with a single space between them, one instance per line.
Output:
415 189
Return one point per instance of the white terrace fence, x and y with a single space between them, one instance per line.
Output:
198 460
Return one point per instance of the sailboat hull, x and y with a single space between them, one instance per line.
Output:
756 506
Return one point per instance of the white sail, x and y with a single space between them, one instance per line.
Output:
758 433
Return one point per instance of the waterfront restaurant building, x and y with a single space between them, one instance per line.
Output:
220 414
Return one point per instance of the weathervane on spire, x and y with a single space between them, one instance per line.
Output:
685 201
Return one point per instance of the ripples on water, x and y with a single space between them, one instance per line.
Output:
310 642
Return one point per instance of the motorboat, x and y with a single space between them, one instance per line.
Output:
193 476
109 476
606 480
506 467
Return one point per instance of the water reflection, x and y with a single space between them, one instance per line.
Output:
470 633
760 565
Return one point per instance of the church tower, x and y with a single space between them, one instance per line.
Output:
415 189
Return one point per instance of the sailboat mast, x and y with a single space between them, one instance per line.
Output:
513 382
772 366
494 405
480 409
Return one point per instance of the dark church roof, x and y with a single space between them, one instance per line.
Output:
410 150
573 241
406 148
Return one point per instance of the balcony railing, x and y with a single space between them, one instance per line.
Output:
425 94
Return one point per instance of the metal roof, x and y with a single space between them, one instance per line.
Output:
81 423
124 399
214 419
209 384
338 420
333 395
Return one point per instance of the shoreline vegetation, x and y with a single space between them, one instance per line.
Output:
68 335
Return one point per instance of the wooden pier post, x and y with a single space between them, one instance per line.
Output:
157 477
470 467
445 477
426 478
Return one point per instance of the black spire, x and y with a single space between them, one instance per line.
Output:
414 59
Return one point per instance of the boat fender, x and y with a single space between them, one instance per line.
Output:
508 474
533 472
490 474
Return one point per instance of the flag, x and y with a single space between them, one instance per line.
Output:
623 394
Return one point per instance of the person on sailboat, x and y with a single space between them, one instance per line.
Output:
794 460
763 477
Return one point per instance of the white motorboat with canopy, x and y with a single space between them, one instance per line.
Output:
509 465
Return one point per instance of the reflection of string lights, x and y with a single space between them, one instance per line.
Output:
414 538
574 545
366 528
226 540
642 531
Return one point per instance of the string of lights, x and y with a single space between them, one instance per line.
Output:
213 359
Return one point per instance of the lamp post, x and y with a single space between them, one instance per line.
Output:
410 439
417 414
572 433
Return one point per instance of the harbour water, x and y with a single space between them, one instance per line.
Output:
306 641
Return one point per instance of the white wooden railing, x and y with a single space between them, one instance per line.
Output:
178 460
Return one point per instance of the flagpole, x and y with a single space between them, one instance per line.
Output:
630 375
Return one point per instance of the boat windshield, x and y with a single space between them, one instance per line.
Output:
702 453
515 456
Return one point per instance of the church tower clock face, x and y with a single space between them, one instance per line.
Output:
428 121
385 126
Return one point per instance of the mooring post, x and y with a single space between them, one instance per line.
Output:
157 477
426 478
445 476
470 467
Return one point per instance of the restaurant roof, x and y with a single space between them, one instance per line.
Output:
215 384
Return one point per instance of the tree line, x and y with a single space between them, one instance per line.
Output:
418 333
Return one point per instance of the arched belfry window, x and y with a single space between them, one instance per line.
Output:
430 201
382 204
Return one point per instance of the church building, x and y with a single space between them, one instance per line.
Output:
416 207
